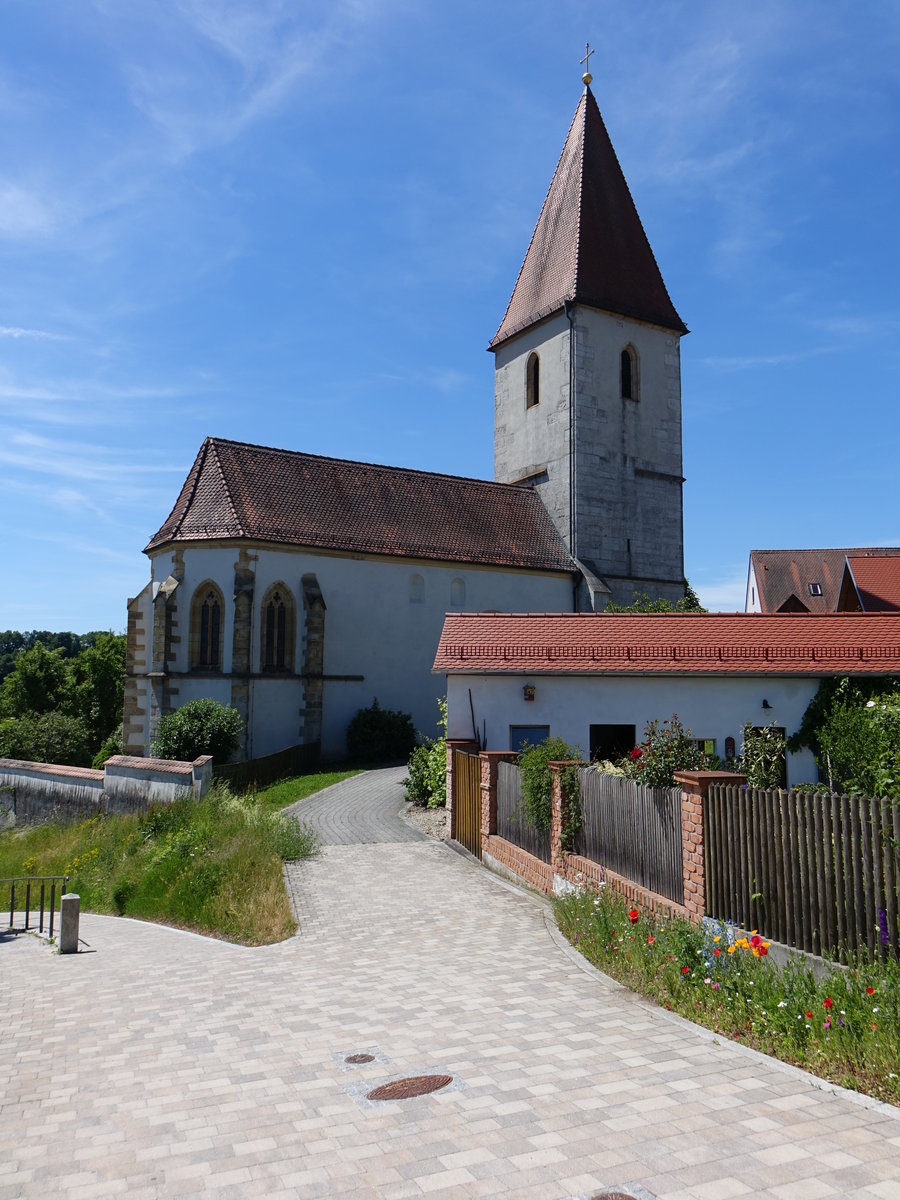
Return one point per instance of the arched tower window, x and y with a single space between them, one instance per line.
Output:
207 613
629 373
279 620
457 593
532 381
416 589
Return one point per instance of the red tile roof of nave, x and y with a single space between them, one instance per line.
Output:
877 579
783 573
236 490
589 245
665 644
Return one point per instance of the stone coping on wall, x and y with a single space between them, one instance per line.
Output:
18 766
162 766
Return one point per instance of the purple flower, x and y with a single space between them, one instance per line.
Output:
883 924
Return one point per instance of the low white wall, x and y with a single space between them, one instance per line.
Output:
34 792
712 707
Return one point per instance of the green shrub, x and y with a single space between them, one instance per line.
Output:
112 745
379 734
427 782
762 756
666 748
50 737
198 727
537 780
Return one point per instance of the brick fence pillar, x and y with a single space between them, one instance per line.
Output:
490 760
695 787
557 854
455 744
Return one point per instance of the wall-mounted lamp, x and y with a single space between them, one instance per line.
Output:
766 704
528 691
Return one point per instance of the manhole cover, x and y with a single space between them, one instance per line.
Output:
356 1059
405 1089
612 1196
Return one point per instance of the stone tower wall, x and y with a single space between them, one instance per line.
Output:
628 462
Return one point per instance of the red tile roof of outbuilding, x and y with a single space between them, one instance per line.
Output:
235 490
667 644
589 245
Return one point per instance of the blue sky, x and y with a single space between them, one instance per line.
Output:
301 228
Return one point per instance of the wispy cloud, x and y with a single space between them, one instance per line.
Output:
722 593
13 331
729 364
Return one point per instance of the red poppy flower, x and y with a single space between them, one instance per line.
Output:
828 1002
870 991
685 970
717 952
633 916
762 949
808 1014
650 940
637 753
756 940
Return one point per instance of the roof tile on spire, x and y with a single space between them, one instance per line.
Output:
589 245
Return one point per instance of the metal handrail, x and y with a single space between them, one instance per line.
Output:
28 880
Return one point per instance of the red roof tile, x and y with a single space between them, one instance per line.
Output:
877 580
667 644
589 245
781 574
235 490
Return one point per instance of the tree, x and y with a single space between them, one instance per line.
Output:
51 737
198 727
379 734
642 603
40 682
98 685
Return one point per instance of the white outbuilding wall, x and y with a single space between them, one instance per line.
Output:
711 707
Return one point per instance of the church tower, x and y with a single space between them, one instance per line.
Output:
587 403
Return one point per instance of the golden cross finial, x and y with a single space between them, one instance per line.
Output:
587 76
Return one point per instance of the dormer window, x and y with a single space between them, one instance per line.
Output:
532 381
628 370
815 589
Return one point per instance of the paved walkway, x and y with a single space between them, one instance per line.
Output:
161 1064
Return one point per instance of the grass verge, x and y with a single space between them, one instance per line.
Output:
844 1026
280 794
213 865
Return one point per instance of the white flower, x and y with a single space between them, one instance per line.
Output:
782 1003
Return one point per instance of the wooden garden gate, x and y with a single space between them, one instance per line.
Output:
467 800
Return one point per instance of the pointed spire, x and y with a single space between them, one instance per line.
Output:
589 245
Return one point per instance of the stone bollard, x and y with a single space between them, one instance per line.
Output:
70 907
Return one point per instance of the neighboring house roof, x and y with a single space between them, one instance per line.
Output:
784 577
589 245
669 644
870 584
235 490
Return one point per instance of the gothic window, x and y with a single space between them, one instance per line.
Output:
207 613
532 381
457 593
279 620
629 374
416 589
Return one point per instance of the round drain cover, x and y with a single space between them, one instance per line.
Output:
612 1196
355 1059
405 1089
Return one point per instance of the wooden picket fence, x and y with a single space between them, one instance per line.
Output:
633 830
512 823
819 873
